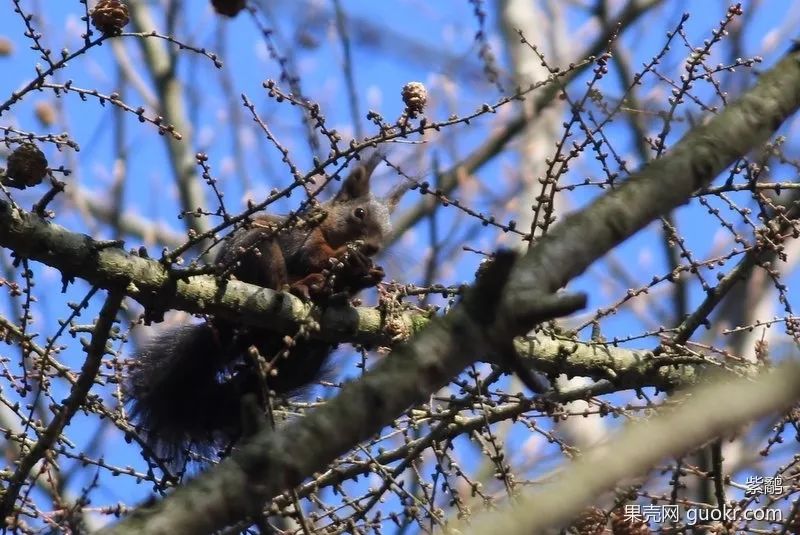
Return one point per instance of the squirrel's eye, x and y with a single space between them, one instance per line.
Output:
359 213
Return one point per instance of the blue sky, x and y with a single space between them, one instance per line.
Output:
383 64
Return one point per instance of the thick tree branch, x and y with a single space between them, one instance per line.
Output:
274 461
665 183
78 255
147 281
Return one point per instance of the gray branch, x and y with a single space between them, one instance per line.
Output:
149 282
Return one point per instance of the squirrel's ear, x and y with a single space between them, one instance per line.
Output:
393 199
357 182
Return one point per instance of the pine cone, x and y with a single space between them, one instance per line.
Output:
623 525
27 167
6 47
229 8
592 521
415 96
793 525
110 16
45 112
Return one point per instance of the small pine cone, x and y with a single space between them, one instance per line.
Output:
110 16
625 525
592 521
229 8
45 112
6 47
27 167
415 96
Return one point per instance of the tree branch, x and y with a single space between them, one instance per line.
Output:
641 445
78 255
495 143
95 351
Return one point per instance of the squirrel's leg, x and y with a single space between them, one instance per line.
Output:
287 371
258 259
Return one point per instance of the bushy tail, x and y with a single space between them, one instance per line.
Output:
186 387
176 392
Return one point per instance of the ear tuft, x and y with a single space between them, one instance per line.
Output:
393 198
356 184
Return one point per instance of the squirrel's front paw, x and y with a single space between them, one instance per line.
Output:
375 275
356 263
369 279
310 287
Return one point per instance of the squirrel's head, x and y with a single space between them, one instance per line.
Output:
355 214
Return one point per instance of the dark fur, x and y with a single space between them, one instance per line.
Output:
188 382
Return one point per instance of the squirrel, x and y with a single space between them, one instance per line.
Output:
186 385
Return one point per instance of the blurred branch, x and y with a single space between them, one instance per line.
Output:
641 445
343 31
131 224
542 201
170 95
